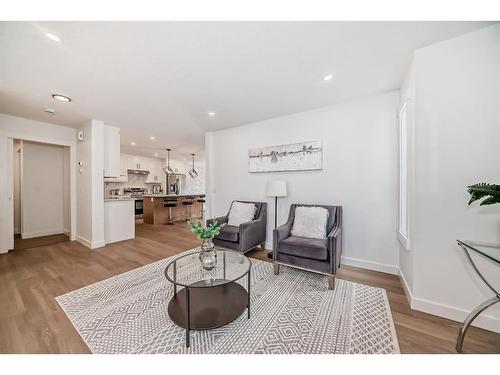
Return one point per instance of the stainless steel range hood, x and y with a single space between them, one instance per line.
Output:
136 171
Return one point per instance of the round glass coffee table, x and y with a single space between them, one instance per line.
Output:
208 299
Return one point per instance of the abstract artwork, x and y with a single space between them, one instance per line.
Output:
304 156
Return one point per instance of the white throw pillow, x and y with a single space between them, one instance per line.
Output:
241 213
310 222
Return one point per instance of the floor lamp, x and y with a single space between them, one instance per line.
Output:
276 189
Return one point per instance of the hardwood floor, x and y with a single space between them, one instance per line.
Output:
21 244
32 322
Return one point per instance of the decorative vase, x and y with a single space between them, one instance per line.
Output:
208 256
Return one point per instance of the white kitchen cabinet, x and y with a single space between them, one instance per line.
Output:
138 163
155 175
111 151
119 220
123 177
123 166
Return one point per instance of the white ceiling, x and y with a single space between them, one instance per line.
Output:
162 78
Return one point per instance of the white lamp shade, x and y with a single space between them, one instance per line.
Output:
276 189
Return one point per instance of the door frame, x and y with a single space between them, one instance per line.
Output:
10 192
7 231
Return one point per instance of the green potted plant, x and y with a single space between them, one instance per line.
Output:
483 190
208 256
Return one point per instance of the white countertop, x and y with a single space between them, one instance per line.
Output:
172 195
118 198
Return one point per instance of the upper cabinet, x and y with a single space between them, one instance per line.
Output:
156 173
111 151
138 163
123 177
134 162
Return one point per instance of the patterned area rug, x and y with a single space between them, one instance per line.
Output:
292 313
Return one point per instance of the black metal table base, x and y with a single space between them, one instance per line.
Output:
202 308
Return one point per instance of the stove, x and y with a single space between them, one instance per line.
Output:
137 195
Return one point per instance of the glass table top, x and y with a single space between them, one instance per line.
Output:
188 271
489 250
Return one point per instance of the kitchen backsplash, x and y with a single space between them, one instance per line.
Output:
193 186
134 181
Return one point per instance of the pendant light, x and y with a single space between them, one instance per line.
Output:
167 169
193 172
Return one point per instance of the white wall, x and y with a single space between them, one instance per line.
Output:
12 127
359 172
90 183
42 190
457 121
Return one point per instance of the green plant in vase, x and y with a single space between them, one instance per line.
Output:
483 190
208 256
205 233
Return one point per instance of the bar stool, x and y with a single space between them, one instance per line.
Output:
169 203
201 200
188 202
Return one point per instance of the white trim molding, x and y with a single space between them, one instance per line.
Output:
406 287
40 234
457 314
369 265
89 244
484 321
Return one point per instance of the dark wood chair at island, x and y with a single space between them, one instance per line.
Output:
161 209
188 202
170 203
201 200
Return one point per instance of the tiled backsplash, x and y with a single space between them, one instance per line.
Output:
134 181
193 186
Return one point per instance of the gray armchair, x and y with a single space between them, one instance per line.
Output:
247 235
316 255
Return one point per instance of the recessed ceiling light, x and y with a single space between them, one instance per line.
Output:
132 143
49 110
328 77
156 154
61 98
152 137
211 114
53 37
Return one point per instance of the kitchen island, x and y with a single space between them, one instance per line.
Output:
155 213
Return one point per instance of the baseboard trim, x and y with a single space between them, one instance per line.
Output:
40 234
484 321
97 244
406 288
89 244
374 266
84 242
